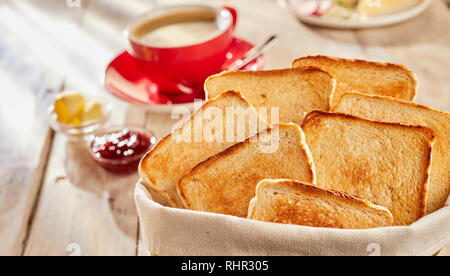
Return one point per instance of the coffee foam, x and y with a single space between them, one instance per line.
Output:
177 28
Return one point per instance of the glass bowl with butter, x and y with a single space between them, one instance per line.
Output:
77 116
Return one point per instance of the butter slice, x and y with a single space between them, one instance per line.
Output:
373 8
93 111
69 106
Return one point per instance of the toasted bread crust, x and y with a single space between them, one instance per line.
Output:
436 198
145 168
359 61
270 73
317 113
297 185
392 99
206 165
147 179
320 61
297 188
294 91
314 118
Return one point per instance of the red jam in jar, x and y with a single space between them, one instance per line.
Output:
120 151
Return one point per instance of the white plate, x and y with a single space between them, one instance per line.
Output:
362 23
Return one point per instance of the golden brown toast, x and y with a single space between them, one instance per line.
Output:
294 91
293 202
387 164
352 75
395 111
226 183
180 151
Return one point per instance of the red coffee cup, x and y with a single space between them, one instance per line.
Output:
180 69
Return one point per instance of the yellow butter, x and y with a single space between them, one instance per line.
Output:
92 111
69 106
373 8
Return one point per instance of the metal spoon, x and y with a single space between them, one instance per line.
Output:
254 53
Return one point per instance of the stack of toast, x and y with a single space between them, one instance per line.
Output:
330 142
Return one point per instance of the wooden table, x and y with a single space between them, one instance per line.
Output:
53 199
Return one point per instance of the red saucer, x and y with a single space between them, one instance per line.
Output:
125 81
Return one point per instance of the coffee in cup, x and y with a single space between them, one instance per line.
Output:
180 46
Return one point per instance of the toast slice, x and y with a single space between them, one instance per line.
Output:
204 135
387 164
293 202
395 111
352 75
226 183
294 91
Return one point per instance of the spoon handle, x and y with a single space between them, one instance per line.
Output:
254 53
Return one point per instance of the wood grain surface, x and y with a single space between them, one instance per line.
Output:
53 199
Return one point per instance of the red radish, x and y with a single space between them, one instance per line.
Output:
305 7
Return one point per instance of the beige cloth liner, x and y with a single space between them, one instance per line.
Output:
168 231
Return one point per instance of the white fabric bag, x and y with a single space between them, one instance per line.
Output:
169 231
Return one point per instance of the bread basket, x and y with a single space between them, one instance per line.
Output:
167 232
